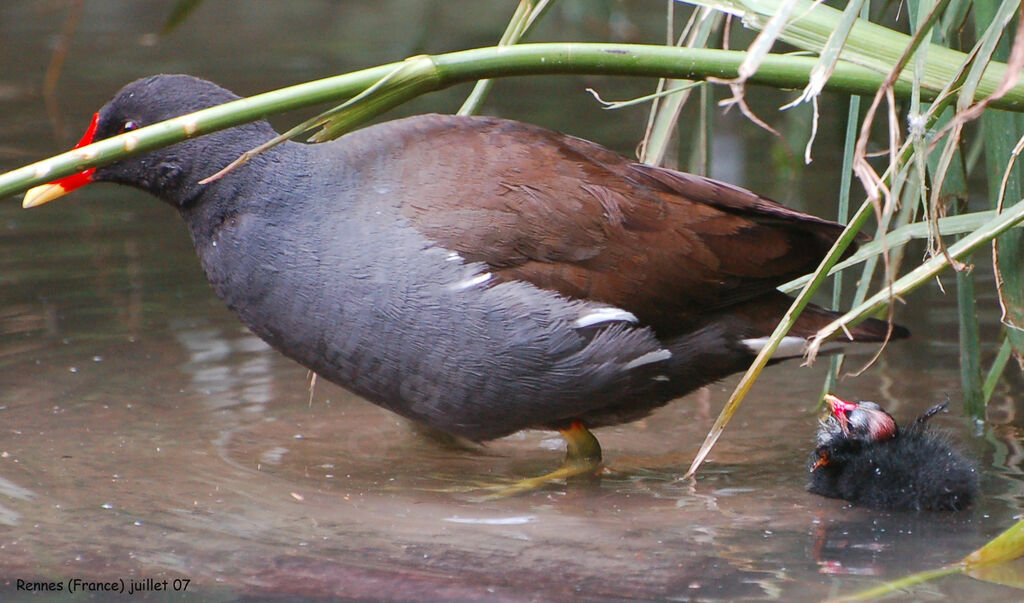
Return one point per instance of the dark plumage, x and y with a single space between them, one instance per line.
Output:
864 457
474 274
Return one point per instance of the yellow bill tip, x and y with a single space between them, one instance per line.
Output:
43 194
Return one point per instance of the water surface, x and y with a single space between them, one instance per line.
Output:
145 434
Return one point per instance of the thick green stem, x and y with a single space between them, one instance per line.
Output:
469 65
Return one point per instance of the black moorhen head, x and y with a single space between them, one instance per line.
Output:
477 275
864 457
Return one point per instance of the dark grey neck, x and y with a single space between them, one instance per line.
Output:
269 181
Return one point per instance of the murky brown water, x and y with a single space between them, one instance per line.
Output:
145 434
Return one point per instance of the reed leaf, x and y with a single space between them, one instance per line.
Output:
665 113
980 565
996 370
528 14
868 44
1001 132
925 272
950 225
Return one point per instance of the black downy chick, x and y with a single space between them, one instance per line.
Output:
863 457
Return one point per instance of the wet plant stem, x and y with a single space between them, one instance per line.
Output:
441 71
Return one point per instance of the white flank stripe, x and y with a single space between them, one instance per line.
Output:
471 282
600 315
648 358
789 347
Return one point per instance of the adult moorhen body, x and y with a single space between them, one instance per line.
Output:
862 456
477 275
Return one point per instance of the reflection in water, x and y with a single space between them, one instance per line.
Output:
866 544
228 371
9 489
180 446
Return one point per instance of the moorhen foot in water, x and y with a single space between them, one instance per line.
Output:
864 457
477 275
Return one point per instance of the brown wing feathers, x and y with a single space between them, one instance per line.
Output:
664 245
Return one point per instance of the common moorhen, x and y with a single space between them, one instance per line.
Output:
474 274
864 457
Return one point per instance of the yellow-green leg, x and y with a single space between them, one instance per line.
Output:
582 457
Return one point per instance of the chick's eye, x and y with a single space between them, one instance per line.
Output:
129 126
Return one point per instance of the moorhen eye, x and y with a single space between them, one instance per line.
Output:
863 457
128 126
478 275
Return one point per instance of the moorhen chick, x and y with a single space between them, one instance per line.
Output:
477 275
864 457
